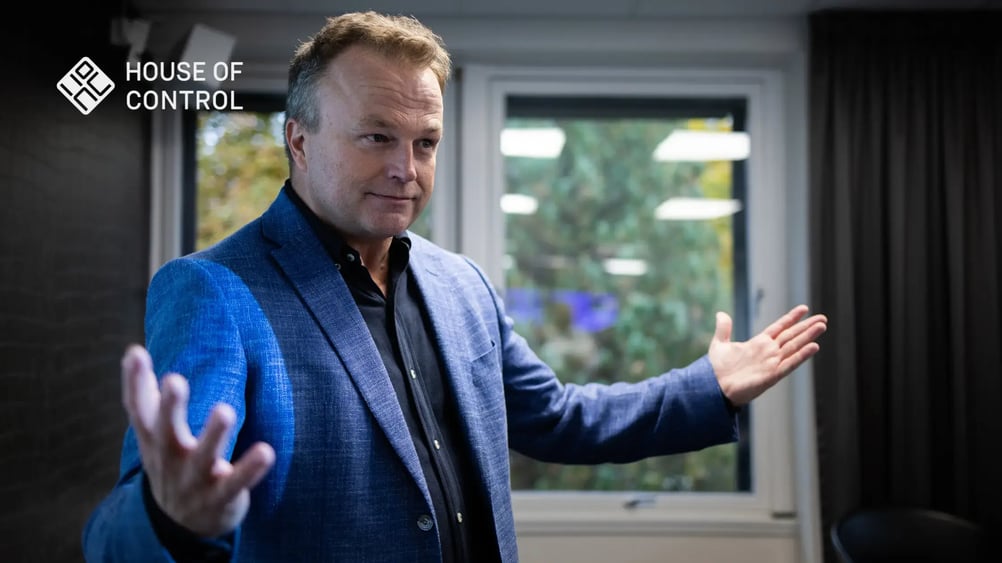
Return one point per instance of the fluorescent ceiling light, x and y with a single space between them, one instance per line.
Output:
625 266
691 208
518 204
703 146
544 142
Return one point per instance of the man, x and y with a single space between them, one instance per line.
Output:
353 388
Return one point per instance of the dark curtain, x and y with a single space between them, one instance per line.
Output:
906 250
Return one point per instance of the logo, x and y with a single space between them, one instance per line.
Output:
85 85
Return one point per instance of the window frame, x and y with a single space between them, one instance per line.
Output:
769 507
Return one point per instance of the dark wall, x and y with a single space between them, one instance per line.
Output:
73 271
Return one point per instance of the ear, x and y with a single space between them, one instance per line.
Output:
295 138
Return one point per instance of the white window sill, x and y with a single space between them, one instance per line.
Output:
689 515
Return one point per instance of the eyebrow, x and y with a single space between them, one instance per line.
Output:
376 121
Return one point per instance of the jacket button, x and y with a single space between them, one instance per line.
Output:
425 523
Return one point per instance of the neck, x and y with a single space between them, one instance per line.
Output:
375 257
374 254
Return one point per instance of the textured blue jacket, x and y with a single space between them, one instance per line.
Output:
263 321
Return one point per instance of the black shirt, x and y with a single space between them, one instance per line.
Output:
402 332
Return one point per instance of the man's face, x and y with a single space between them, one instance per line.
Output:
369 169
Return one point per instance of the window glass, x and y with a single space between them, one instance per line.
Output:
622 241
241 167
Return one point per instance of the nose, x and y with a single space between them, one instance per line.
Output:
402 166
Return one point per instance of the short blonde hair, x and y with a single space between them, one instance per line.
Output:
399 37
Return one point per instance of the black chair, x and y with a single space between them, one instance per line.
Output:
916 535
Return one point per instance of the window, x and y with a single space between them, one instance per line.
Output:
621 244
241 166
608 272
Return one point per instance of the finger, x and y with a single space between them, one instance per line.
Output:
140 394
724 325
248 471
801 328
807 335
786 321
212 441
800 356
172 423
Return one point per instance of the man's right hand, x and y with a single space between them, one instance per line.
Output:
189 478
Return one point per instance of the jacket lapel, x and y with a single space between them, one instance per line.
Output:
311 271
448 317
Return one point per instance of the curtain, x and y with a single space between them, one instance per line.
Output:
905 153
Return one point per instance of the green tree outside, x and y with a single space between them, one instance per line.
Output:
595 202
241 168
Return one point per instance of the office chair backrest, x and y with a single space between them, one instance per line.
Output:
905 534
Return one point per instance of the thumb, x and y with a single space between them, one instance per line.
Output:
723 332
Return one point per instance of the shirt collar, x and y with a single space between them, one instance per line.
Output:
334 244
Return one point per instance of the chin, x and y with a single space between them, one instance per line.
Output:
393 228
384 232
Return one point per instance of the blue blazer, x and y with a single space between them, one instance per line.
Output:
263 321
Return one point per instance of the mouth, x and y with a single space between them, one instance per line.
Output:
389 197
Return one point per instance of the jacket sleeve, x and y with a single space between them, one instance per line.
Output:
681 410
190 330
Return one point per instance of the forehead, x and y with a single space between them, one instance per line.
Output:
371 86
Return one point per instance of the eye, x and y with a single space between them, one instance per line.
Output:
429 144
378 138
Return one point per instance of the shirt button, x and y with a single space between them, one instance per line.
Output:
437 445
338 266
425 523
413 374
459 517
350 257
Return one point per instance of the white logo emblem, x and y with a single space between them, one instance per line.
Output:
85 85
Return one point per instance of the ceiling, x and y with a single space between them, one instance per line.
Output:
517 31
551 8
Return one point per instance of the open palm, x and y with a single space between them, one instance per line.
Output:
746 369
